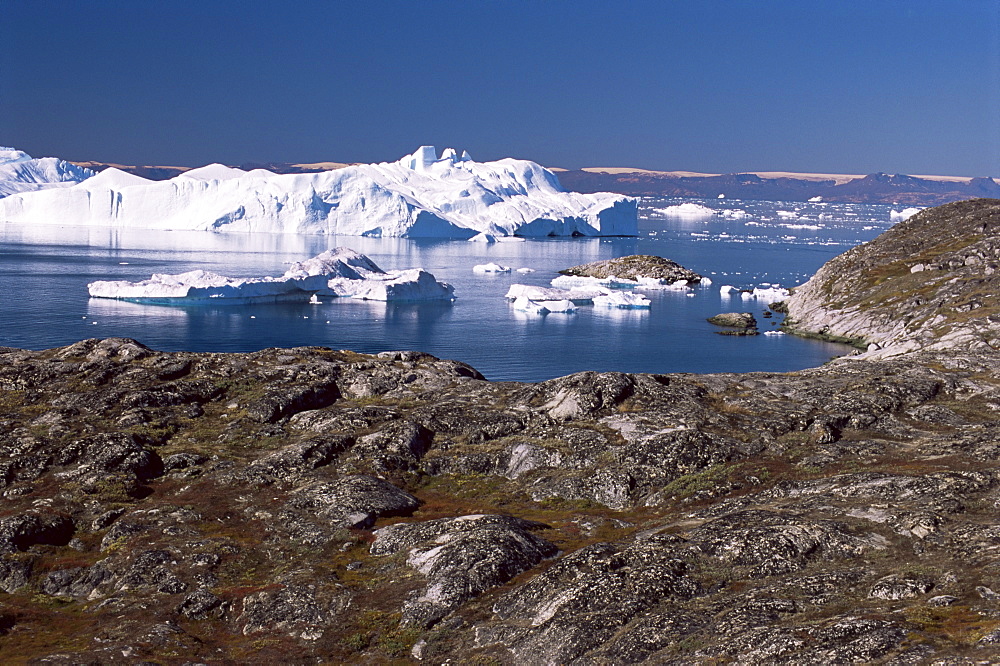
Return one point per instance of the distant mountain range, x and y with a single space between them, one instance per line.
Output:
768 186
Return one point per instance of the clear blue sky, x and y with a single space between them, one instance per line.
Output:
850 86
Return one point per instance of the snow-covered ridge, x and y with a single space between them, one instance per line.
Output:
20 172
339 272
421 195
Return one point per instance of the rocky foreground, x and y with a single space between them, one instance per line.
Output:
308 505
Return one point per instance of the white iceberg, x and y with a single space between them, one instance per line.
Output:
524 304
622 299
727 289
905 214
490 268
201 286
420 195
535 293
733 214
525 270
662 284
767 294
414 284
20 172
692 210
339 272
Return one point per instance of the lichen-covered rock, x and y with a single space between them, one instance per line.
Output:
352 501
586 598
461 558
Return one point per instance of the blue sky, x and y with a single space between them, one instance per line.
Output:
720 86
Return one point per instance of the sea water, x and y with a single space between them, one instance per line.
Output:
44 302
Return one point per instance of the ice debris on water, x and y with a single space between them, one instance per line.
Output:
339 272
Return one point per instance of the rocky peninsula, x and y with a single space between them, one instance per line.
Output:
304 505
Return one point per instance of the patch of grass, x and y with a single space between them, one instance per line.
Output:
951 625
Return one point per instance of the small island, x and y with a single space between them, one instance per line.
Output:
634 267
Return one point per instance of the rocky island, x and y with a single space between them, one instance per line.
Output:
307 504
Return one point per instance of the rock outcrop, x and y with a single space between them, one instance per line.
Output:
633 267
928 283
310 505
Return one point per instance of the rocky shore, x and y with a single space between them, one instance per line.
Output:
311 505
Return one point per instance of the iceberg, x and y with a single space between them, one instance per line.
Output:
686 210
563 306
535 293
525 304
622 299
902 215
418 196
490 268
410 285
339 272
767 294
201 286
20 172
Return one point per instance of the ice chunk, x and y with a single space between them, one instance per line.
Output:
420 196
490 268
733 214
905 214
535 293
766 294
483 237
339 272
525 270
622 299
686 210
200 286
338 262
525 304
410 285
560 306
727 289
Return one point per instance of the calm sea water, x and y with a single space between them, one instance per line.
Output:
44 301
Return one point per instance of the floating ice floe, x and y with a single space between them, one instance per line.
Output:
525 270
484 237
662 285
490 268
340 272
20 172
905 214
767 294
774 332
419 196
686 210
525 304
733 214
622 299
535 293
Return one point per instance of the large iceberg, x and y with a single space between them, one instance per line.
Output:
339 272
20 172
421 195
